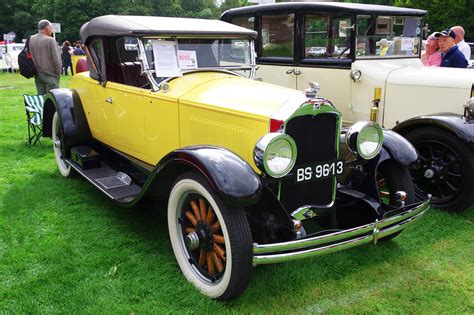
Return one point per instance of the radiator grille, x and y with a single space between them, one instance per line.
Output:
315 137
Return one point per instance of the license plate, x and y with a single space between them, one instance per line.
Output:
319 171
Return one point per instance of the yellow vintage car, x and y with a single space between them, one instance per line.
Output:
253 173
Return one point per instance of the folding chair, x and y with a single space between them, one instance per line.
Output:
34 117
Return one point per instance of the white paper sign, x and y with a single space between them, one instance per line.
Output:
56 27
187 59
166 59
9 37
407 44
342 28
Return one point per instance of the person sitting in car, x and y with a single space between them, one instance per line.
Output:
450 53
459 40
431 56
383 47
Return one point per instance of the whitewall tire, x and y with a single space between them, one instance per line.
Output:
211 241
56 131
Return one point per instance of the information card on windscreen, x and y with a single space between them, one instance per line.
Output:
166 59
187 59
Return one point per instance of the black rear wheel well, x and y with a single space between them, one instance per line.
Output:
413 128
48 113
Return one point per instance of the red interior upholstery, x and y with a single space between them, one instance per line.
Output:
81 65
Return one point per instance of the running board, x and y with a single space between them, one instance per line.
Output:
115 184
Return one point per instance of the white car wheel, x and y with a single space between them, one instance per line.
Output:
212 242
56 131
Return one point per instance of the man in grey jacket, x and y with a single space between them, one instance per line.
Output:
45 54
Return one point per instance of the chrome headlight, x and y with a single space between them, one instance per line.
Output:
275 154
365 138
355 75
469 107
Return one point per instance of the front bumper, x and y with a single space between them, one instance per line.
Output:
334 242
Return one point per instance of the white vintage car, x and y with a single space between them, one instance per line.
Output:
9 55
379 75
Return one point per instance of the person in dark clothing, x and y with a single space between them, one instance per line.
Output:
66 57
78 51
451 56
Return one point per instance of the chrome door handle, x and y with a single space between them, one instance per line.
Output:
109 100
290 71
297 72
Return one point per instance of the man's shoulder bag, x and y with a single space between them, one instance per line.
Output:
25 63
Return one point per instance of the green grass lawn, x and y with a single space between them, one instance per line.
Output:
65 248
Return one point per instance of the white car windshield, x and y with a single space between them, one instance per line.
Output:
388 36
171 58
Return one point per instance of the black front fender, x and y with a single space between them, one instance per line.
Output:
73 119
232 178
394 147
397 148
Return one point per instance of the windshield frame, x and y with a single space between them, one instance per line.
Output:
156 86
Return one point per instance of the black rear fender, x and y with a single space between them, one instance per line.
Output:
458 125
73 119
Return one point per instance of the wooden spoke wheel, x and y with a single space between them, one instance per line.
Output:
203 236
211 241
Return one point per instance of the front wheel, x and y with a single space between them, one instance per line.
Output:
58 146
446 168
211 241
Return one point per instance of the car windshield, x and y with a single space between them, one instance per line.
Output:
171 58
388 37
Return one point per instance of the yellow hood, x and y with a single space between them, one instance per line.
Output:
232 93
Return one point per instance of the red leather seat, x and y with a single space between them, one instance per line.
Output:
82 65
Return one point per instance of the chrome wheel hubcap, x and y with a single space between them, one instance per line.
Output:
192 240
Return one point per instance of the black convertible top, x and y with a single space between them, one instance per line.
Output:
121 25
339 7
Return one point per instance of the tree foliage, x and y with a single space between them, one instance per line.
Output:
22 16
229 4
445 14
442 14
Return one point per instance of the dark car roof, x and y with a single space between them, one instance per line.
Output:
355 8
121 25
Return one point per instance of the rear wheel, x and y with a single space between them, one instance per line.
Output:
446 168
211 241
58 146
391 178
